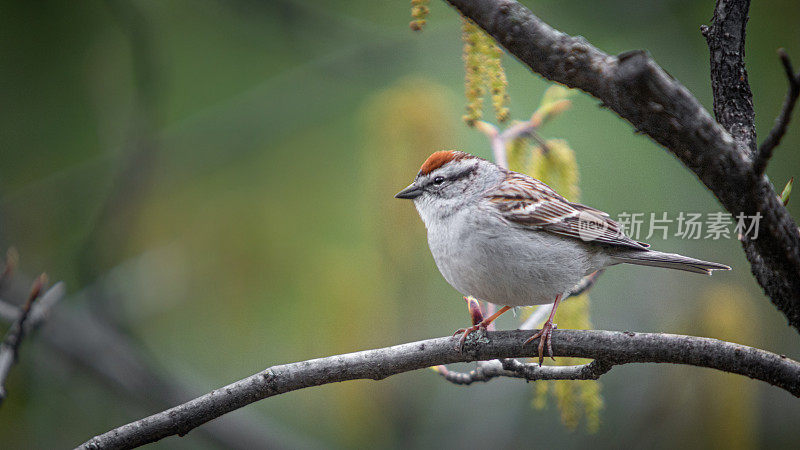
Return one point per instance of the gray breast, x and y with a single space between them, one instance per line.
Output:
507 265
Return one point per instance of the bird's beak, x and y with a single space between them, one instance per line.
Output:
411 192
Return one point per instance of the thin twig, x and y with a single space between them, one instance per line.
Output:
9 348
609 347
539 141
40 310
499 140
586 283
532 372
496 142
511 368
483 372
525 129
10 265
536 318
782 121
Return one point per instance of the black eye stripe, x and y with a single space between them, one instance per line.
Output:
464 173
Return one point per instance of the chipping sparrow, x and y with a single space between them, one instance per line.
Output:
509 239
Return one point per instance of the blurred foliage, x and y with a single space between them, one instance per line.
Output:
265 231
400 127
727 403
483 73
419 11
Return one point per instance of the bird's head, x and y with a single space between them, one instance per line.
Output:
447 180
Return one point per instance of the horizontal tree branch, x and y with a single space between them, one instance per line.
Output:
610 347
637 89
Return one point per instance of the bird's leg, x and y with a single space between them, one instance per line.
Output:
482 324
545 333
475 312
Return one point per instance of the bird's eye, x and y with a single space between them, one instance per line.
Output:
438 180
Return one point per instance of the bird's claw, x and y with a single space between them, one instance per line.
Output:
466 332
545 333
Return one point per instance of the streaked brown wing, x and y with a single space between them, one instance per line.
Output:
527 201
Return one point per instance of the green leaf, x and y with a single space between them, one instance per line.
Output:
787 191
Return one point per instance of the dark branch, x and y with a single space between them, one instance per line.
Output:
606 347
779 129
637 89
9 348
775 256
733 101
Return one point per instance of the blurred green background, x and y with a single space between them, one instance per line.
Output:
215 178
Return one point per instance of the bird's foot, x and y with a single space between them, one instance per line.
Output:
544 334
478 322
466 332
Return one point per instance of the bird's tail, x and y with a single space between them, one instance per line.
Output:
667 260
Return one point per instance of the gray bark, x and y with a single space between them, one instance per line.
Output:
608 347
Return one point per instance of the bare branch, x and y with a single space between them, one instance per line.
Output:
496 141
637 89
40 310
733 100
10 265
537 317
610 347
483 372
499 141
779 129
531 372
9 348
586 283
512 368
